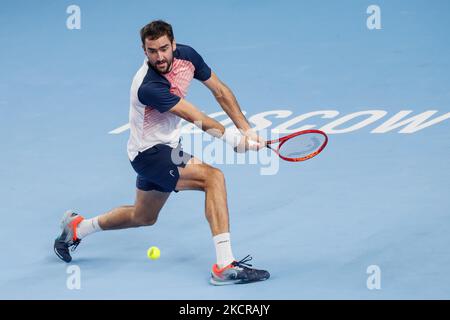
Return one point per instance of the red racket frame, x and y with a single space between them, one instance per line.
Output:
282 140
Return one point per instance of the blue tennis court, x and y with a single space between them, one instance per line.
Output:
368 218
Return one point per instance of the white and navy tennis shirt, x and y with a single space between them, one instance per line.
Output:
153 94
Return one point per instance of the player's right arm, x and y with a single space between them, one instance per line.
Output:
157 95
187 111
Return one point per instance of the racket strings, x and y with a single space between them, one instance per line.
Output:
302 146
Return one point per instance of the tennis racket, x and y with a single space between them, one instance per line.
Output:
298 146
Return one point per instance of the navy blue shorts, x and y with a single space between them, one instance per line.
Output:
157 167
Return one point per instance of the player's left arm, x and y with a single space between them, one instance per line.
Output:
230 105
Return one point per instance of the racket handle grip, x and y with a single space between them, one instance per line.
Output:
251 145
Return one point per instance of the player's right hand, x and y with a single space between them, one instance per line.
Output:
250 142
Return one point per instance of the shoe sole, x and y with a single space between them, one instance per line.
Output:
216 282
60 256
224 282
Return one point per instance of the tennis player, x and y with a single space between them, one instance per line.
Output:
157 106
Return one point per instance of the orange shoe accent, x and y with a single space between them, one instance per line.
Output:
218 270
75 222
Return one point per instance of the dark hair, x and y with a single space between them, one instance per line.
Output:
156 29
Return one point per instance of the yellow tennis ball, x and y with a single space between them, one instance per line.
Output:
153 253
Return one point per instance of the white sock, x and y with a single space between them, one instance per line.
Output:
87 227
223 249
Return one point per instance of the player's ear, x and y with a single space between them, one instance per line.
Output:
174 45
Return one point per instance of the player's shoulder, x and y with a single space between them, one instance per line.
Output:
202 70
186 52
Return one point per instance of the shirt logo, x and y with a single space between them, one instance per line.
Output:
171 173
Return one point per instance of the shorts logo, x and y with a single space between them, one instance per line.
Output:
171 173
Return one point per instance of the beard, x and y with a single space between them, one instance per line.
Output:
163 66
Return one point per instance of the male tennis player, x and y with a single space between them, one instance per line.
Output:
156 109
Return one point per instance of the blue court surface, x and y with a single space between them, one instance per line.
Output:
368 218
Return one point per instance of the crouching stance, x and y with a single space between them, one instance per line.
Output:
157 106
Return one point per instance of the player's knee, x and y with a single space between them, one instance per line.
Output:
218 175
148 221
143 220
215 176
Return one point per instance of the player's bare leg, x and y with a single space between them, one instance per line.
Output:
145 212
200 176
203 177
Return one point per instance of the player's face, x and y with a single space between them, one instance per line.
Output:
160 53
